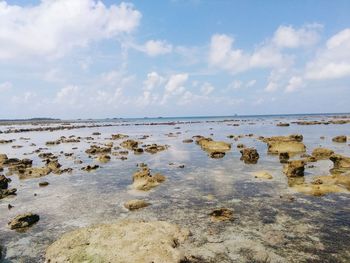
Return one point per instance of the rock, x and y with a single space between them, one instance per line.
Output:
130 144
119 136
4 182
3 158
290 144
209 145
282 124
24 220
341 139
322 153
284 157
94 149
96 133
136 204
138 151
154 148
221 214
125 241
262 175
34 172
341 163
187 141
144 181
240 146
53 142
249 155
6 192
104 158
217 155
89 168
294 168
42 184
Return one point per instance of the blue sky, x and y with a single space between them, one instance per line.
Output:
96 59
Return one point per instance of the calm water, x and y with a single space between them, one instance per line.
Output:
309 229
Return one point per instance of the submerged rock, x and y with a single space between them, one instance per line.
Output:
89 168
143 180
104 158
340 138
221 214
94 149
136 204
294 168
217 155
249 155
187 141
125 241
262 175
322 153
24 220
154 148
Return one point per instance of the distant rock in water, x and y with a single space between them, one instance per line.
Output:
249 155
341 139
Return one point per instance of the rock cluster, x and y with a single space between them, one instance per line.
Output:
143 180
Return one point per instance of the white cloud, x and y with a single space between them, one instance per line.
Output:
333 61
5 86
152 81
157 47
251 83
224 56
174 86
289 37
207 89
67 95
52 27
294 84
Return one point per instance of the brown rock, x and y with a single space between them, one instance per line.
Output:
22 221
221 214
294 168
136 204
341 139
322 153
284 157
249 155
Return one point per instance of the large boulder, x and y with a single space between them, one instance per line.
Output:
289 144
22 221
294 168
249 155
125 241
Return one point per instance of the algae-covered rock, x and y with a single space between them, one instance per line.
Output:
294 168
322 153
249 155
136 204
290 144
24 220
122 242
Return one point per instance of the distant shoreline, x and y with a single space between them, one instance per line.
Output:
45 119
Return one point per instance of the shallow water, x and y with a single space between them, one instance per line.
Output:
308 229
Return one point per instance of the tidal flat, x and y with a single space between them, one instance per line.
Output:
222 189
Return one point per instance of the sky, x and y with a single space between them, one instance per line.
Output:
104 59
